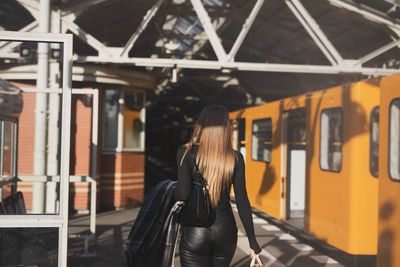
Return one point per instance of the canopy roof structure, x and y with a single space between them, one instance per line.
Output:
238 52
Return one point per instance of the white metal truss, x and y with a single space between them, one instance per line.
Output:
119 55
374 17
86 37
209 30
240 66
32 6
80 6
245 29
6 46
377 52
315 31
146 19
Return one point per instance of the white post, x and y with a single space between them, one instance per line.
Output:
53 141
53 126
93 172
39 162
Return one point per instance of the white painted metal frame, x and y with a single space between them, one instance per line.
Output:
209 30
92 178
240 66
119 55
59 220
314 31
147 18
245 29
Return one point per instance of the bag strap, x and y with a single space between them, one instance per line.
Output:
254 259
201 179
194 161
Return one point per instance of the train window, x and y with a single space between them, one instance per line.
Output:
123 124
8 145
261 144
394 139
374 142
133 125
238 133
110 121
330 158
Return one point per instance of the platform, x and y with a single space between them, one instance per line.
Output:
279 248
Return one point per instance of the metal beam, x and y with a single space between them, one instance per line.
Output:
209 29
7 46
382 18
86 37
241 66
146 19
311 32
317 30
81 6
376 52
32 6
245 29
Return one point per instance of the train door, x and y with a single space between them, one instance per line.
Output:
389 174
239 140
295 140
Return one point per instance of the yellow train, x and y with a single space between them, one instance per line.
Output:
329 163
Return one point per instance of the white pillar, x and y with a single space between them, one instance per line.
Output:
39 162
53 130
52 140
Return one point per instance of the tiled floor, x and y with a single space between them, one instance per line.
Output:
278 248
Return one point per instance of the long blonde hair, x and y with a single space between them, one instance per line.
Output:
216 157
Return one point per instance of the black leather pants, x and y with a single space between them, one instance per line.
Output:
210 246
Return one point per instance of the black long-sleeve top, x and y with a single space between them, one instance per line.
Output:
183 188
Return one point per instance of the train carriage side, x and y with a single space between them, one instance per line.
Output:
343 193
338 189
260 144
389 174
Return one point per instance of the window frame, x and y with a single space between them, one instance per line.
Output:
397 180
120 148
370 140
252 139
340 108
13 147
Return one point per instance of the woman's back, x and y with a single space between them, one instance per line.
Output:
221 166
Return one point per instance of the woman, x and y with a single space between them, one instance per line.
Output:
221 166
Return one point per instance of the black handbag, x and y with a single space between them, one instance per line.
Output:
197 210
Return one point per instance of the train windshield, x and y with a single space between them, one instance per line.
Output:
394 141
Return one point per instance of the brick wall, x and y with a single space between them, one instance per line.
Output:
80 148
26 145
122 179
81 132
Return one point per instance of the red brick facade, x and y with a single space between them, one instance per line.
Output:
122 179
81 136
26 129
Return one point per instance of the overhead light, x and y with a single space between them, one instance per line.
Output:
55 53
192 98
26 51
171 46
226 70
174 75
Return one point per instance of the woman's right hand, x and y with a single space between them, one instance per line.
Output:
252 254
